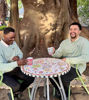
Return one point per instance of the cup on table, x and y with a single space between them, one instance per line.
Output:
51 50
29 60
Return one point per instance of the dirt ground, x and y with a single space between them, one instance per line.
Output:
77 94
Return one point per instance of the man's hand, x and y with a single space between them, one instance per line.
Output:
16 58
22 62
51 50
63 59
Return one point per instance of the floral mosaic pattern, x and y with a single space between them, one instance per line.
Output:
46 67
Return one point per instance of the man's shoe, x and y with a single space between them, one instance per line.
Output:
58 95
17 95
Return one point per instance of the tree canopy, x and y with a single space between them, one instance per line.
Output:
83 11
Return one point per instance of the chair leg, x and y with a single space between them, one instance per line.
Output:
29 93
54 91
9 96
84 85
12 96
80 78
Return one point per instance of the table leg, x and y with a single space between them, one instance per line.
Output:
34 89
32 92
61 85
45 87
48 89
35 86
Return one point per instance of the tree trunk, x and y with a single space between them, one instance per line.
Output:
14 18
45 23
3 10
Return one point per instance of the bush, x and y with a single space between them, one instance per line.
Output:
2 27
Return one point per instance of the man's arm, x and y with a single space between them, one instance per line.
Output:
59 52
6 67
83 58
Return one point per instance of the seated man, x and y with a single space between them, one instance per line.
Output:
11 59
74 50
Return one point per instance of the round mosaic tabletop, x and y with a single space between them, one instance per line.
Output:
46 67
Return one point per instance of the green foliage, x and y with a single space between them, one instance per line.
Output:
20 4
2 27
83 10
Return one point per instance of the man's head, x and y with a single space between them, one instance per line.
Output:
75 30
9 35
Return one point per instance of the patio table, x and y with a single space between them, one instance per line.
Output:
46 68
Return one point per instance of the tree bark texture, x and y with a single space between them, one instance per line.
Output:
3 9
45 24
14 18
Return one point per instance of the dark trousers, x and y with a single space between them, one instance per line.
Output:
11 79
66 79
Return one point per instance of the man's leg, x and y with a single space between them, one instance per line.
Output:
26 80
66 79
10 81
17 74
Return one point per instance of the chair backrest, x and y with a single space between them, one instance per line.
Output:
1 77
80 78
5 86
77 68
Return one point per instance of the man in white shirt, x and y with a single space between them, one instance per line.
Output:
11 59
